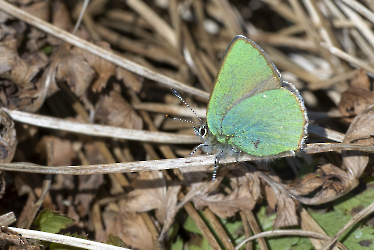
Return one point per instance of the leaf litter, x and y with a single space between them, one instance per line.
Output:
185 41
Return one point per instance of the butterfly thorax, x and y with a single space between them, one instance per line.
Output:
219 145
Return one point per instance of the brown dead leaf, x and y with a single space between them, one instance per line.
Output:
18 70
360 131
71 67
114 110
88 185
94 156
226 205
130 80
357 97
308 184
331 188
151 192
39 9
60 18
103 68
63 153
130 228
241 197
285 207
286 212
27 208
239 174
8 139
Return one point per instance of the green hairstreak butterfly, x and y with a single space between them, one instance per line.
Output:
251 109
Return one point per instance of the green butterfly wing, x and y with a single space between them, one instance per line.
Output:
244 72
266 124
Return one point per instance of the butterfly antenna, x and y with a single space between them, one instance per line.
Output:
178 95
179 119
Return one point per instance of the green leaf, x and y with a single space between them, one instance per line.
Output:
52 222
191 226
177 245
198 243
353 203
116 241
360 239
285 242
57 246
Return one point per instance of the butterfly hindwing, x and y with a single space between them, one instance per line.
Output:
266 124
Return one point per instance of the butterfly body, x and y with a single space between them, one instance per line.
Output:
251 109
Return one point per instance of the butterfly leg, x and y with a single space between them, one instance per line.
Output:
196 148
216 162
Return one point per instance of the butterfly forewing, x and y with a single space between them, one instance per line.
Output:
245 71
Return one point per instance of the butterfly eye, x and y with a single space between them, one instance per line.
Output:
203 130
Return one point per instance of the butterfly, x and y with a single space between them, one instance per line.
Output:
251 109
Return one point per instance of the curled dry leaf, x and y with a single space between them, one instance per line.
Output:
103 68
114 110
8 140
240 175
130 80
284 205
68 65
130 227
308 184
360 131
20 92
19 71
357 97
226 205
151 192
246 191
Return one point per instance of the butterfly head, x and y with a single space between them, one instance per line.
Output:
202 130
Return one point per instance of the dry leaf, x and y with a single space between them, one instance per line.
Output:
93 154
114 110
286 212
151 193
63 153
103 68
308 184
285 207
31 199
360 131
357 97
60 18
130 228
239 199
39 9
239 174
330 188
71 67
87 188
226 205
8 139
20 71
130 80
